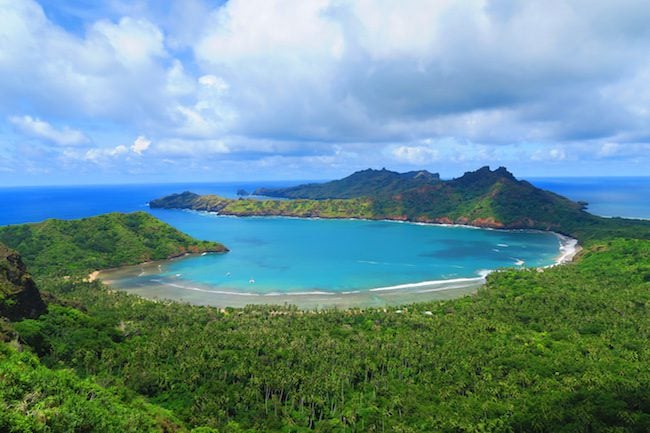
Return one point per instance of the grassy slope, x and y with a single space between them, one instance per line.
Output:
58 247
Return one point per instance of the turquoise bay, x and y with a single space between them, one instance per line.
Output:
331 262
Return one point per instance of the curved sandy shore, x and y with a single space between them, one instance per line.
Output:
194 293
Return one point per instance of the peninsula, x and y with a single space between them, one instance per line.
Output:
482 198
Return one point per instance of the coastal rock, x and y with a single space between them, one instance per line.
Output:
487 223
19 296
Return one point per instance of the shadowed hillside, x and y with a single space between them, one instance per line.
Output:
19 297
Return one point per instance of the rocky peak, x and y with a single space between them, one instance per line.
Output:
19 297
485 175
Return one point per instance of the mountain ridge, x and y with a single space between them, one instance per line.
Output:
483 198
363 183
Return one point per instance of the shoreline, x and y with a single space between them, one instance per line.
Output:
194 293
388 220
398 294
569 249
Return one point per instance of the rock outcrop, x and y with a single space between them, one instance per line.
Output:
19 296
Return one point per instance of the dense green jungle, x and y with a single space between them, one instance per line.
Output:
563 349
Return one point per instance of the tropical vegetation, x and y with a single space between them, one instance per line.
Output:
60 247
484 198
564 349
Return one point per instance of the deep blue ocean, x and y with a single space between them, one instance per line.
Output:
627 197
285 255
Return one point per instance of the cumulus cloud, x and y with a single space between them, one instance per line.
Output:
423 65
134 42
417 82
140 145
416 155
114 70
37 128
96 155
552 154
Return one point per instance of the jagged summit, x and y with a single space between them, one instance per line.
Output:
363 183
484 197
484 175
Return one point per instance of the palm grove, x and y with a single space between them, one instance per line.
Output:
560 350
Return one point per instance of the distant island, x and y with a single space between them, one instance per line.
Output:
482 198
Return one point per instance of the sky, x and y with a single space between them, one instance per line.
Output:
119 91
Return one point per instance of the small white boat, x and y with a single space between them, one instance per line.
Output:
251 281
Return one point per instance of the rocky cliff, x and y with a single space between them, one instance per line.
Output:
19 297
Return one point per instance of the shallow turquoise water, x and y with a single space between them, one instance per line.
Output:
289 255
295 256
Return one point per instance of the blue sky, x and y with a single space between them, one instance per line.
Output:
195 90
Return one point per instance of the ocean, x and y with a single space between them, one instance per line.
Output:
627 197
318 262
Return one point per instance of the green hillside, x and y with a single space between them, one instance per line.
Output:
563 350
483 198
58 247
330 208
35 398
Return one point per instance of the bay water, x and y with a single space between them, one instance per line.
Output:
313 262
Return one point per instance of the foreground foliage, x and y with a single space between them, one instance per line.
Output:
563 350
34 398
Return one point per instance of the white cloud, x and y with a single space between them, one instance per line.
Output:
416 155
134 42
213 81
406 67
140 145
552 154
248 78
608 149
179 83
37 128
191 148
115 70
286 31
98 154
